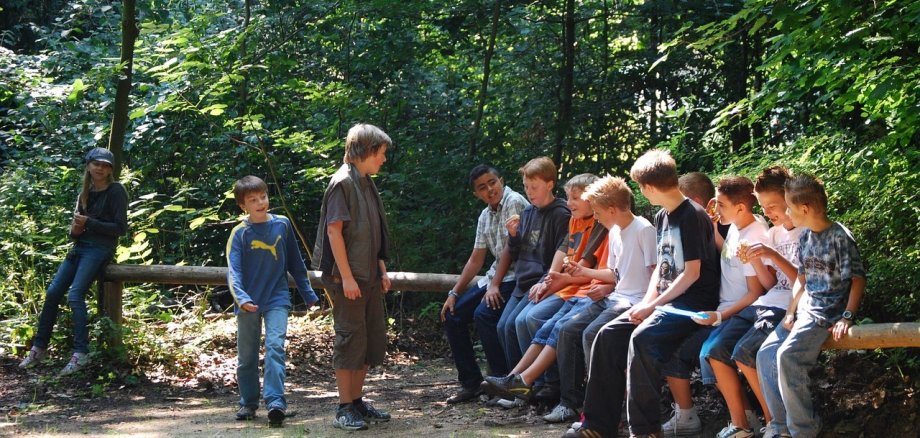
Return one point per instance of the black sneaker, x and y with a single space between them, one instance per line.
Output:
245 413
276 417
372 414
510 386
346 417
548 393
464 395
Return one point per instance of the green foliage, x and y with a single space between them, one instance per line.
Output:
825 86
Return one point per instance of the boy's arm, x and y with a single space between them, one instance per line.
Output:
606 275
472 267
340 254
677 288
765 276
759 250
755 290
385 281
297 268
235 274
798 289
493 296
857 287
650 295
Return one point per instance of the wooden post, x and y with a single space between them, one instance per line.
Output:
112 302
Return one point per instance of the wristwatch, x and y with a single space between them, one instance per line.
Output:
847 315
451 293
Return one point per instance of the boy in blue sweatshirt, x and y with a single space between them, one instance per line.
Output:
261 251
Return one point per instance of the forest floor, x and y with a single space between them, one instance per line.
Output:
856 397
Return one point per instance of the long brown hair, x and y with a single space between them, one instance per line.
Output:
83 200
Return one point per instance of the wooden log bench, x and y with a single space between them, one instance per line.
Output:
859 337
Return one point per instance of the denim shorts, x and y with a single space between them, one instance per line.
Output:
739 339
548 334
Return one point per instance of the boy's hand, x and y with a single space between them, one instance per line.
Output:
639 312
448 306
386 282
493 298
249 307
512 225
599 291
755 250
574 269
788 322
350 287
840 328
712 318
535 291
713 211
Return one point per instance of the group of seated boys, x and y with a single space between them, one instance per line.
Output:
589 307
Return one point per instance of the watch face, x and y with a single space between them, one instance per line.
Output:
847 315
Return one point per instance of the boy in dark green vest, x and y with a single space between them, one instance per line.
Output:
351 246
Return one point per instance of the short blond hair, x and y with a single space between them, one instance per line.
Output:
580 182
609 191
364 140
540 167
655 168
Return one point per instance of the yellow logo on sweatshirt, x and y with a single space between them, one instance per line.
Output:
258 244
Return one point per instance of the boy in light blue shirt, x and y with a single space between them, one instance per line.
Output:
261 251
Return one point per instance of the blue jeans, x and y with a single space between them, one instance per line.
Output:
74 277
783 363
529 320
490 336
457 328
507 334
249 333
549 334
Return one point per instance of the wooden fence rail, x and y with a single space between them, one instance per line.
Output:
861 337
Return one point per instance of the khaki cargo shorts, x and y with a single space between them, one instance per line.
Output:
360 327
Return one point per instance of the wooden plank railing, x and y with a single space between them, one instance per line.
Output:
860 337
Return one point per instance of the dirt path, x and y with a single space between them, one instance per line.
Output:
414 396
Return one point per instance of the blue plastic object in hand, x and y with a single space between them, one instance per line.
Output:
682 312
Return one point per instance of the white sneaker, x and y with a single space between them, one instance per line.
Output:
768 432
754 423
35 356
575 426
732 431
77 362
682 423
560 414
509 404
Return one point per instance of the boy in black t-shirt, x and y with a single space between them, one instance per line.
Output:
630 350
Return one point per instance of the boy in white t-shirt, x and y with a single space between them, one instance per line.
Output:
630 263
740 287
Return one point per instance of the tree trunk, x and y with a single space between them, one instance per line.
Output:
736 75
486 69
652 81
567 74
129 33
244 84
